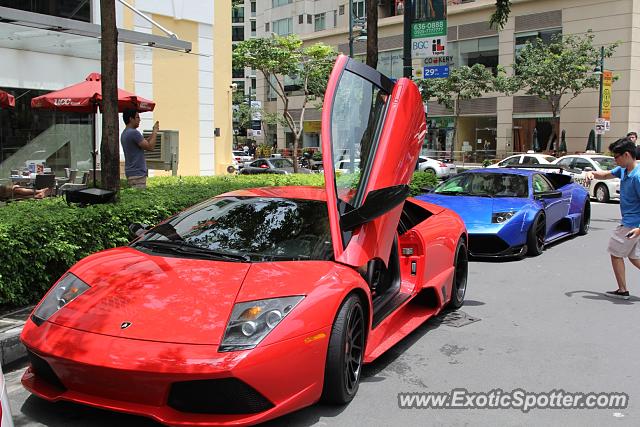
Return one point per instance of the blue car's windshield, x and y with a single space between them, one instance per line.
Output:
485 185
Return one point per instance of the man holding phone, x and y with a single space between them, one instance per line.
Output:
134 145
624 242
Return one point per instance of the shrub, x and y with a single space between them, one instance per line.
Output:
41 239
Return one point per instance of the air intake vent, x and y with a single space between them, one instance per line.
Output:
539 21
43 371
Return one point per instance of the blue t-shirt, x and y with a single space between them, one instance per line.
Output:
629 195
134 162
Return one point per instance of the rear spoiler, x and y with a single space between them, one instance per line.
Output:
559 175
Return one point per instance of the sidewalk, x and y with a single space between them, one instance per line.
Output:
11 349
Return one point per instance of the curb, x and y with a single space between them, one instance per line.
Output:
11 324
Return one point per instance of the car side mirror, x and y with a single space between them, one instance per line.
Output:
377 203
553 194
137 229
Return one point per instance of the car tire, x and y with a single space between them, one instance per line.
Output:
345 353
585 219
460 273
602 193
536 235
430 171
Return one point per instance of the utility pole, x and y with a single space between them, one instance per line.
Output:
350 28
599 137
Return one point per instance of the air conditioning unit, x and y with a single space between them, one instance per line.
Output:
165 154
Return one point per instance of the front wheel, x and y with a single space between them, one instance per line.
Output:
585 221
461 269
345 353
536 236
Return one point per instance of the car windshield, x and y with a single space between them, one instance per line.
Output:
604 163
549 159
282 163
239 153
485 185
247 229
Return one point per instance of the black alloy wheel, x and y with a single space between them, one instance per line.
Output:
585 220
461 270
536 236
345 354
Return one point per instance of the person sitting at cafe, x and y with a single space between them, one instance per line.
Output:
13 191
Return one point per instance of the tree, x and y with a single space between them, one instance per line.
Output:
109 151
562 68
501 14
276 57
463 83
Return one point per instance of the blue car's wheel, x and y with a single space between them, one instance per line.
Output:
345 353
585 221
536 235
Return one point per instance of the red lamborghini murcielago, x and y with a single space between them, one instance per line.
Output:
259 302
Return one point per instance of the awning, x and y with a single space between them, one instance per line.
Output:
72 27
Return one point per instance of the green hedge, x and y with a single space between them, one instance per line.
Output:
41 239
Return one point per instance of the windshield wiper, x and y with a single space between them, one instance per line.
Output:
188 249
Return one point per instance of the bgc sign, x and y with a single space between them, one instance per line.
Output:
429 47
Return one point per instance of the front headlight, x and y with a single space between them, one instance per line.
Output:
500 217
66 290
251 321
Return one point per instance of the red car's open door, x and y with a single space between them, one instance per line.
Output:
372 131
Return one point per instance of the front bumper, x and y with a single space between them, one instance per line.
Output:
154 379
492 246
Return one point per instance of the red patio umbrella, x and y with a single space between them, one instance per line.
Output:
86 97
6 100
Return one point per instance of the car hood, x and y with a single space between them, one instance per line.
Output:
476 210
165 299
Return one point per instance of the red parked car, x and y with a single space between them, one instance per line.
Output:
259 302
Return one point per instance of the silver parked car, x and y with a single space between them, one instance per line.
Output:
601 190
441 168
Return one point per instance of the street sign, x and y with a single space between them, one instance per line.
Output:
429 47
436 72
600 126
441 60
420 30
607 125
607 81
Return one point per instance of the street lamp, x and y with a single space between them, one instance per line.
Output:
353 21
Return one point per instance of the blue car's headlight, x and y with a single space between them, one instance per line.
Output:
66 290
500 217
251 321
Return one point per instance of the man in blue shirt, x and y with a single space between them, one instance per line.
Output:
625 241
134 145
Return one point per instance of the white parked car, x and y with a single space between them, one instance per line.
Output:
5 410
440 168
525 159
601 190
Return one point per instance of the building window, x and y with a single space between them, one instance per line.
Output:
276 3
283 27
253 28
237 15
309 19
237 73
253 9
341 10
359 10
335 18
319 21
545 35
482 51
300 19
266 27
237 34
80 10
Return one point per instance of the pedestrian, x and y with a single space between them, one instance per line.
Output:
633 137
625 241
252 149
134 145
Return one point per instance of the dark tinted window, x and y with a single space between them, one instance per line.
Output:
485 185
265 229
79 10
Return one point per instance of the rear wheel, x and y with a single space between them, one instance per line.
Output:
430 171
536 235
585 221
345 353
459 286
602 193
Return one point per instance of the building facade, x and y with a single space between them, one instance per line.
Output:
494 125
182 61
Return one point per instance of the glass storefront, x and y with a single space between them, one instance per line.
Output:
57 139
80 10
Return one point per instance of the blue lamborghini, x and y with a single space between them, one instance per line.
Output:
514 212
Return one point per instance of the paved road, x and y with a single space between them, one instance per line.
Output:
544 325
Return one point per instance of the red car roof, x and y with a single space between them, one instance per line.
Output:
289 192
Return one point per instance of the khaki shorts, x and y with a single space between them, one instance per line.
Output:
622 247
139 182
